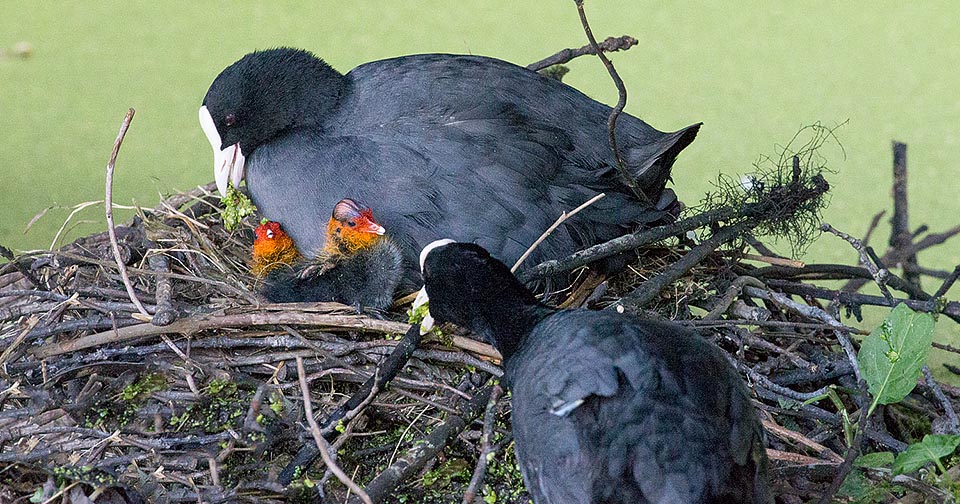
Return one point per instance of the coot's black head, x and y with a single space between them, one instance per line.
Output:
468 287
261 96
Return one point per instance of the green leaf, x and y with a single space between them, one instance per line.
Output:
876 460
892 355
860 489
931 449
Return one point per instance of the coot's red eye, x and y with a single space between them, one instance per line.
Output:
230 119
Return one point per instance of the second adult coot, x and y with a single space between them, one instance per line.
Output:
607 408
442 145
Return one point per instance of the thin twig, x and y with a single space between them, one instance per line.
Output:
427 448
953 426
894 256
108 205
813 312
878 272
947 283
874 222
322 445
560 220
615 113
198 323
610 44
486 446
8 255
165 313
385 372
652 288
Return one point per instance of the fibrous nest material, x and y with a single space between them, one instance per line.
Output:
199 399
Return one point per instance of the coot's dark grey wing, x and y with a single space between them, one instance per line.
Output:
657 413
534 142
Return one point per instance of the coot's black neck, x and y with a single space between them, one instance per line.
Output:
316 94
507 321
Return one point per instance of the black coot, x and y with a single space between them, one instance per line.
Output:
442 145
606 407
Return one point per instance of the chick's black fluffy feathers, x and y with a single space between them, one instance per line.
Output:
365 279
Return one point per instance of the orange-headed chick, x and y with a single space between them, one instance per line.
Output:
272 247
358 266
351 228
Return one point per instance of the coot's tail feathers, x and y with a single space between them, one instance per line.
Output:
651 163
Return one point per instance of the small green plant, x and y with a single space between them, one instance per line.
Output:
932 449
236 206
892 356
849 427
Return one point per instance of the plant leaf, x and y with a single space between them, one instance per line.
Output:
876 460
892 355
931 449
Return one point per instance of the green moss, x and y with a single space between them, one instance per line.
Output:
142 388
276 402
221 408
236 206
452 469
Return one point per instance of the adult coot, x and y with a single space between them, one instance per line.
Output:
358 265
464 146
606 407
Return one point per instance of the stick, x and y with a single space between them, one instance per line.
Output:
8 255
165 313
486 450
950 309
385 372
623 244
852 452
900 236
876 270
812 312
953 426
322 445
426 449
214 321
611 44
108 204
895 256
615 113
560 220
947 283
651 288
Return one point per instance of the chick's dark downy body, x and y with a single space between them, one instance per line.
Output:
365 280
607 408
464 146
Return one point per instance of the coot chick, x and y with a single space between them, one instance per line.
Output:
358 265
464 146
606 407
272 248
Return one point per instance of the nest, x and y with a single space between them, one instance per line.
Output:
199 399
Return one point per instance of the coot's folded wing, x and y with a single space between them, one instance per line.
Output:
636 411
